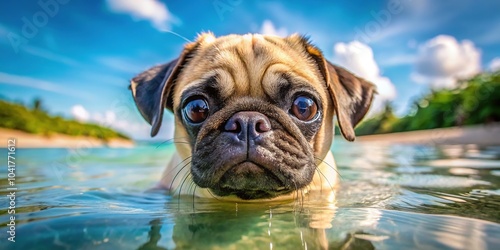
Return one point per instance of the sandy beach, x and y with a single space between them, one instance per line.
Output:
478 134
27 140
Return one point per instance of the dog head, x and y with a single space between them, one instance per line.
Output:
257 111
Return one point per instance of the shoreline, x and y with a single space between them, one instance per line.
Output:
27 140
485 135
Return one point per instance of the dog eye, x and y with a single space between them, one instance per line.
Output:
196 110
304 108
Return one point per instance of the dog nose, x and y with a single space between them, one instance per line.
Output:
248 124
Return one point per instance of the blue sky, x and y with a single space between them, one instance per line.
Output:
78 56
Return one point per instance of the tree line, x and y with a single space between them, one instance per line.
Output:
472 101
36 120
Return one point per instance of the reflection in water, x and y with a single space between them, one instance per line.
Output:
390 197
246 229
154 236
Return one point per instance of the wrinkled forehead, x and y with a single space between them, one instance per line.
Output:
249 65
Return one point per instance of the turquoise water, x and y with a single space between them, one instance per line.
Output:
390 197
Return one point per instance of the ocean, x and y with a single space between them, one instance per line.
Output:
389 197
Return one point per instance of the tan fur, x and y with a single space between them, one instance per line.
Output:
250 65
245 74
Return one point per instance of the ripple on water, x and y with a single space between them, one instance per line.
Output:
390 197
430 181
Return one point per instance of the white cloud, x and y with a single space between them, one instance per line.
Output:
49 55
121 64
442 60
106 79
384 33
154 11
80 113
36 51
268 28
396 60
358 58
26 81
136 129
491 34
35 83
106 119
140 130
494 64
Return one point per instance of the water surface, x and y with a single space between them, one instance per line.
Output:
390 197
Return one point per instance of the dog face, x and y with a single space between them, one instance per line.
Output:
257 111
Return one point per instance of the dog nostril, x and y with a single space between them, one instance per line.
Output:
262 126
233 126
247 125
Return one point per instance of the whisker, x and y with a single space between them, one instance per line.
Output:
184 179
213 196
191 187
329 184
194 192
295 196
180 189
178 172
296 192
176 166
314 182
302 200
172 141
320 180
329 165
176 34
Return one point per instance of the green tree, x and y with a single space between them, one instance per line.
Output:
474 101
37 104
38 121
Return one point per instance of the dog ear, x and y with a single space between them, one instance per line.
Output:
152 89
351 95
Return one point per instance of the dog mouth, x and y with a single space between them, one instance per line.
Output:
249 180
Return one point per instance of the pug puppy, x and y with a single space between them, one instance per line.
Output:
253 115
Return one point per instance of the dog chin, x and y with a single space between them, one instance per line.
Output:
249 180
249 194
